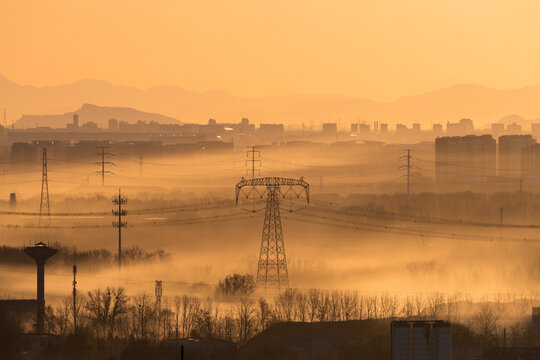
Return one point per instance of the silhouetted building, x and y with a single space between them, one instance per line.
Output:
535 130
416 128
329 129
13 201
90 125
514 129
113 124
384 128
363 129
437 129
464 161
419 340
401 129
510 153
530 166
75 124
463 127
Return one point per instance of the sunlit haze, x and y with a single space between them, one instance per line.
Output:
378 50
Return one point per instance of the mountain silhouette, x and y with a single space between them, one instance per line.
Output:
482 104
97 114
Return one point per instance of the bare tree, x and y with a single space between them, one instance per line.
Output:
285 304
408 307
334 308
264 314
301 306
436 305
144 309
105 307
324 305
313 296
189 310
389 306
485 322
245 313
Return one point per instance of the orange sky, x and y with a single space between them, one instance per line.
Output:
377 49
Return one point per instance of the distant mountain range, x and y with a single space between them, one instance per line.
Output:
479 103
97 114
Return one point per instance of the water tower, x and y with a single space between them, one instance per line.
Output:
40 253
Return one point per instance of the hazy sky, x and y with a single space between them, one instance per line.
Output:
378 49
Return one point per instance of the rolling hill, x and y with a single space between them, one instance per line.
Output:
480 103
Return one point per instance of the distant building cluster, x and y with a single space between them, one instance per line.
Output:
463 162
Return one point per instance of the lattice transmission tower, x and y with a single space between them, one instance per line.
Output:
44 206
272 266
103 154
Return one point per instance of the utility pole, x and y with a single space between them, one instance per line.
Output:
158 292
408 167
44 206
75 297
102 163
253 161
140 164
119 224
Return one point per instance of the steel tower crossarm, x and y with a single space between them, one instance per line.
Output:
272 181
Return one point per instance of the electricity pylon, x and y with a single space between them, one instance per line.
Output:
408 167
272 267
103 154
44 206
254 160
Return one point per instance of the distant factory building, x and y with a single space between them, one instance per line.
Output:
463 127
419 340
510 154
384 128
437 128
416 128
329 129
462 161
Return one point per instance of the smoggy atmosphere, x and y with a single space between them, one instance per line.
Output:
239 180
